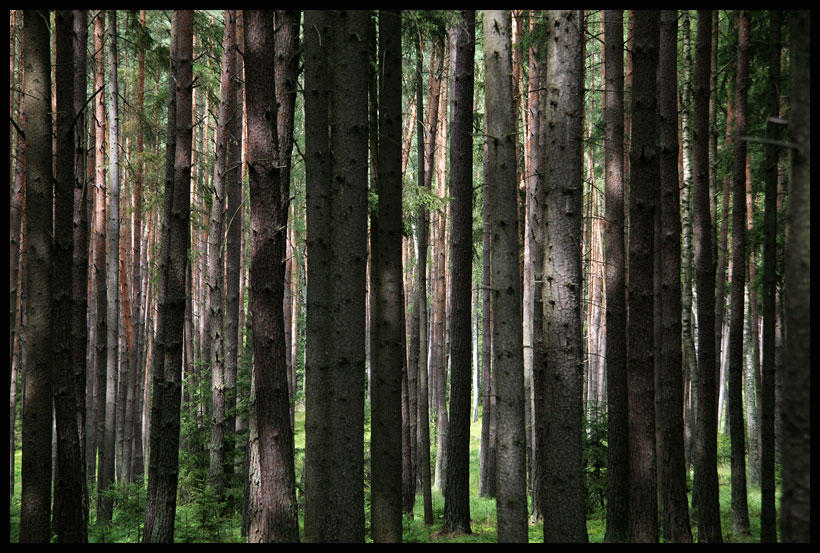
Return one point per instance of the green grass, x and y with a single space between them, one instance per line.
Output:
196 522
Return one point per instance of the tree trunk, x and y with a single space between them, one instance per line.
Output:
795 516
276 502
335 96
35 499
740 508
671 449
69 516
456 485
768 514
175 245
705 492
105 477
640 373
511 501
617 528
387 313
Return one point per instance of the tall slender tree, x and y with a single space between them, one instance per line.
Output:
511 501
768 516
456 489
795 514
69 519
643 506
671 462
617 505
740 506
35 499
175 243
705 492
564 496
387 309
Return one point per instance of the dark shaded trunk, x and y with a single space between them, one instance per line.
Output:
387 311
768 514
671 457
740 507
643 496
69 518
564 493
617 505
795 516
705 492
35 499
456 486
175 243
335 121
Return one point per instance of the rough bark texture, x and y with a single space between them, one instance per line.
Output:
705 492
795 516
671 457
69 520
617 519
456 486
564 495
768 515
35 500
387 310
740 507
511 478
175 244
643 496
275 504
105 477
335 97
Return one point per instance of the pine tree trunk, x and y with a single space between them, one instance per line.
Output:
35 499
511 501
740 508
640 376
564 509
795 521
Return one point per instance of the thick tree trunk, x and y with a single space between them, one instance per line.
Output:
640 373
456 485
335 97
511 501
35 501
795 516
564 510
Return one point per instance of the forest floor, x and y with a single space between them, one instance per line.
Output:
196 520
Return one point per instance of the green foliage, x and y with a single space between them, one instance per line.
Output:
595 456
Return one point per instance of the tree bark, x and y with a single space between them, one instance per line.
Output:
705 492
617 528
795 515
511 501
640 372
740 508
671 449
35 499
456 486
387 311
175 244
